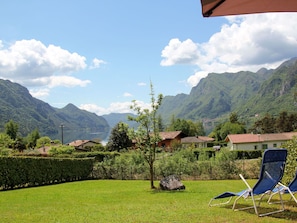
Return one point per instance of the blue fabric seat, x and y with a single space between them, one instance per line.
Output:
271 173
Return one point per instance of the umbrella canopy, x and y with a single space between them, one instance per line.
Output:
237 7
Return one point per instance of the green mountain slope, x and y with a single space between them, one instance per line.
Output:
18 105
212 100
277 94
245 93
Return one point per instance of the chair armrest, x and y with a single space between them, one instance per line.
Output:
245 181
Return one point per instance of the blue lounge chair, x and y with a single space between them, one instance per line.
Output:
271 172
290 189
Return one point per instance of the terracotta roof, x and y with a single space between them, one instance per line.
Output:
44 150
248 138
198 139
206 138
169 135
191 139
78 143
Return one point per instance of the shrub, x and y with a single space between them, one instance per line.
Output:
291 163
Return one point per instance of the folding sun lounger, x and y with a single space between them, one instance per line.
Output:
290 189
271 172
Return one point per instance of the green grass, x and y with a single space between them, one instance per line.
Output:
127 201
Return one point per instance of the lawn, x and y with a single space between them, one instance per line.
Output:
127 201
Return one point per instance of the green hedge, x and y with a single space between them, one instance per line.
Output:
17 172
99 156
239 154
242 154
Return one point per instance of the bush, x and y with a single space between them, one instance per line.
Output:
132 165
225 166
291 163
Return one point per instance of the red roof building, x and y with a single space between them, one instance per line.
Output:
197 141
258 141
83 145
168 138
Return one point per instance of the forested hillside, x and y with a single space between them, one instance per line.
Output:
245 93
18 105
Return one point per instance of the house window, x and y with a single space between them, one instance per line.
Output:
255 147
264 146
274 145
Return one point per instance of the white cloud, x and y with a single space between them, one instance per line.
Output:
31 63
126 94
96 63
194 79
116 107
55 81
247 42
141 84
39 93
178 52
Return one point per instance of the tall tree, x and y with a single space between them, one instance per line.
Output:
119 138
43 141
6 141
188 127
233 126
147 135
11 129
233 117
283 123
161 124
32 138
264 125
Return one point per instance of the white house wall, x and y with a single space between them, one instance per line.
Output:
251 146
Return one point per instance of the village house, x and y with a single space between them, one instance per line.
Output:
197 141
258 141
83 145
44 150
169 138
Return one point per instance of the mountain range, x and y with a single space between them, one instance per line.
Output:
247 93
30 113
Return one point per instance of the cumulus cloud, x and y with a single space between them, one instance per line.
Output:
31 63
116 107
96 63
247 42
194 79
178 52
39 93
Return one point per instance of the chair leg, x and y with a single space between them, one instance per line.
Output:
292 195
282 208
254 203
218 204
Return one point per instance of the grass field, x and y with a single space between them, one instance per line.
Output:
127 201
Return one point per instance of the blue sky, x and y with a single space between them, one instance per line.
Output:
102 54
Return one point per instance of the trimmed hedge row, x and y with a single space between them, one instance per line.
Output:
239 154
99 156
17 172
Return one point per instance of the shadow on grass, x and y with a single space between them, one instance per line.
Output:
158 190
288 213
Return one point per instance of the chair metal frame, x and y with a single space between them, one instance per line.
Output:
264 186
283 189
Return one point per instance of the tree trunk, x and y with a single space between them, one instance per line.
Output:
151 164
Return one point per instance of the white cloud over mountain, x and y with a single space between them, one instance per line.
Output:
40 67
247 42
